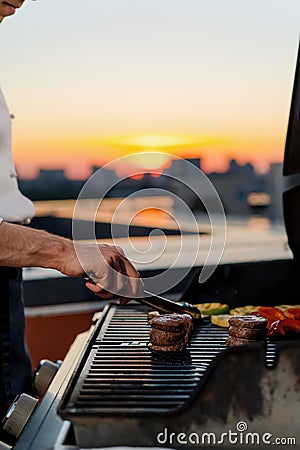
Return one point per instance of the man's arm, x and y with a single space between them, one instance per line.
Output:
26 247
111 271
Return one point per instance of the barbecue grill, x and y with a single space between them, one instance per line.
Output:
120 393
123 394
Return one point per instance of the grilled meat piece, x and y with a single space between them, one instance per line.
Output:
170 332
232 340
248 322
167 348
160 337
248 333
246 330
168 322
188 323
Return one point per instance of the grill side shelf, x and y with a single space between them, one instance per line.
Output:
81 362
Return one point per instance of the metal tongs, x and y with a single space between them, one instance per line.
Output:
160 303
169 306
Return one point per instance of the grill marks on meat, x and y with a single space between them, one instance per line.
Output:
233 340
167 348
248 322
160 337
168 322
246 330
247 333
170 332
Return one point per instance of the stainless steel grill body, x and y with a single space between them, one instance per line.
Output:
123 394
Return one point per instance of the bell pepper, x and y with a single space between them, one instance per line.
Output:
276 328
264 312
271 311
292 313
282 327
291 325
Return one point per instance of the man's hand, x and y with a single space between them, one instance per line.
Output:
106 265
110 272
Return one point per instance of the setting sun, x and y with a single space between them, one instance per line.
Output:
151 160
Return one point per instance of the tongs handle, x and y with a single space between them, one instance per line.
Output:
168 306
160 303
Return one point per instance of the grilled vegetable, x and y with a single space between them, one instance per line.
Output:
244 310
292 313
285 307
276 329
281 321
208 309
282 327
270 313
291 325
220 319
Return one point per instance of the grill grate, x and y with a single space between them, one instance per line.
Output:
121 375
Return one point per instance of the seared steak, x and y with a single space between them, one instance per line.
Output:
247 333
248 322
160 337
246 330
232 340
170 332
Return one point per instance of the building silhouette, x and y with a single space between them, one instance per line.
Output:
233 186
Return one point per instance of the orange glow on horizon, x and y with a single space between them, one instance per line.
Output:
78 154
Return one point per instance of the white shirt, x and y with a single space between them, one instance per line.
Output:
14 206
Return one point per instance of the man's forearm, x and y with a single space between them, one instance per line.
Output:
26 247
113 273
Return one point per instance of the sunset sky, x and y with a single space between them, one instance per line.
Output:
89 81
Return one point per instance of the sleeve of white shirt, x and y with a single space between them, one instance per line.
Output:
14 206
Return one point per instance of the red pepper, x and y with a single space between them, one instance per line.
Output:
291 325
292 313
281 327
265 316
276 328
280 323
264 311
271 311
